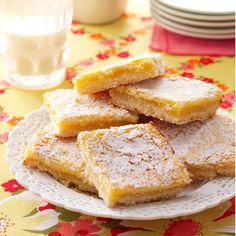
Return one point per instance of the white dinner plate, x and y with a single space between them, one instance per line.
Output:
199 23
196 198
195 35
189 15
194 29
203 36
220 7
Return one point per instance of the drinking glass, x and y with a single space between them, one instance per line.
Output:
34 43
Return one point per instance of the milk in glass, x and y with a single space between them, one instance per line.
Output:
34 41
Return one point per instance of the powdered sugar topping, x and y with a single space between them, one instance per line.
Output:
207 142
134 155
48 146
177 88
67 104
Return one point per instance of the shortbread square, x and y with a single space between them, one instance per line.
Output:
171 98
145 66
59 157
72 113
131 164
207 147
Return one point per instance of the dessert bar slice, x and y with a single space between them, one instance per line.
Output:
72 113
131 164
148 65
171 98
59 157
207 147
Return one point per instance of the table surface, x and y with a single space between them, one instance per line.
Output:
23 213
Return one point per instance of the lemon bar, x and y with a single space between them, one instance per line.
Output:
171 98
131 164
72 113
207 147
147 65
59 157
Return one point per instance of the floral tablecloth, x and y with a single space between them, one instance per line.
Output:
22 213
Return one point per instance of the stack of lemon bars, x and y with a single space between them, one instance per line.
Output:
129 133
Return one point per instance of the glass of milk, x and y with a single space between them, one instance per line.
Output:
34 43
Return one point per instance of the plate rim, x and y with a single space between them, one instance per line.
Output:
199 23
193 16
91 213
195 35
193 29
185 9
199 36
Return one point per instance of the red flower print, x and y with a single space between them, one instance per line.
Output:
228 101
85 63
66 229
206 61
230 97
183 228
12 186
226 104
103 219
54 234
2 91
208 80
86 227
102 56
123 54
193 61
75 22
70 73
3 116
222 86
3 137
45 207
186 66
96 36
129 38
187 74
117 231
108 42
14 120
4 83
83 227
78 31
229 211
146 18
170 71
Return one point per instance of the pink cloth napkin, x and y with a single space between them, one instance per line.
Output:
170 42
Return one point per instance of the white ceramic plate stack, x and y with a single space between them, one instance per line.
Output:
213 19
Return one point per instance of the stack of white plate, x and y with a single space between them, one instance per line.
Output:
213 19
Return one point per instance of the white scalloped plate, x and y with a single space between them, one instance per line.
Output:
196 198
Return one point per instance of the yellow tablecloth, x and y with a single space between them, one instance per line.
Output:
23 213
